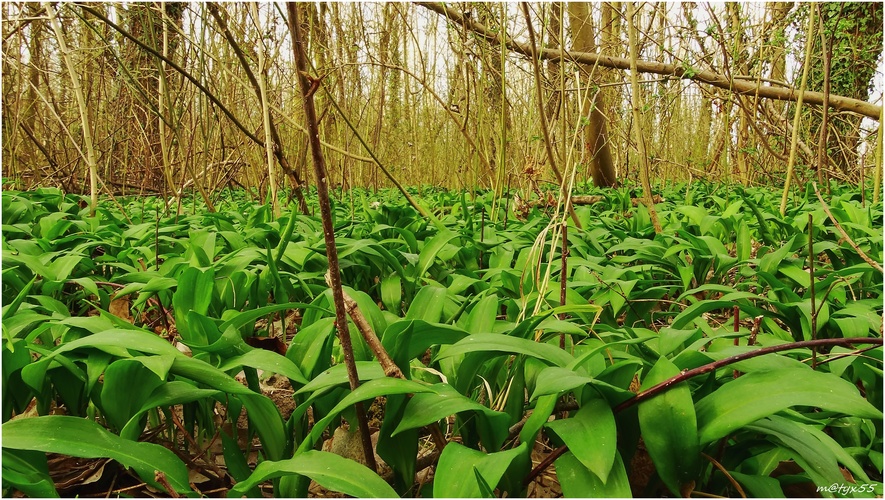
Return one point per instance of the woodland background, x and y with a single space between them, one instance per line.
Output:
175 97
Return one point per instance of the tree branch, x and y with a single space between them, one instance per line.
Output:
737 86
709 367
319 164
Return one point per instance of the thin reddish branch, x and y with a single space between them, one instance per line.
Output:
709 367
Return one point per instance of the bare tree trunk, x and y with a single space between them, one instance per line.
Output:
595 133
636 105
85 123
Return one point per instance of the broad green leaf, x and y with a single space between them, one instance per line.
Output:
427 304
508 344
429 252
78 437
455 477
759 486
170 393
401 452
194 294
482 317
429 407
405 340
392 293
27 471
371 389
327 469
591 436
578 481
818 460
796 274
262 412
265 360
112 341
337 375
670 429
127 385
759 394
694 311
556 380
670 339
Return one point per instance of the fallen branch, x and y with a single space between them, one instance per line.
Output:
737 86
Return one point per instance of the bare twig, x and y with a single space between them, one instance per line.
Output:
160 477
709 367
319 164
851 242
390 368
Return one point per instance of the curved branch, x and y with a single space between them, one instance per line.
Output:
709 367
735 85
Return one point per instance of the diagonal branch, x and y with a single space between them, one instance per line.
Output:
666 385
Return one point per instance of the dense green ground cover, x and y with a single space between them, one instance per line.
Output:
469 306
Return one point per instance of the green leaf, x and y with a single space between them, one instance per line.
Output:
455 477
405 340
759 394
371 389
429 407
694 311
392 293
504 343
543 409
591 436
127 385
759 486
482 317
815 458
112 341
262 412
556 380
337 375
428 304
327 469
578 482
194 293
670 429
170 393
28 472
265 360
428 253
83 438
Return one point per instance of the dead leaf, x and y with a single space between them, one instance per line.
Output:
120 308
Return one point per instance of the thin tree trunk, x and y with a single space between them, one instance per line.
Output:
81 104
596 132
794 143
265 114
637 105
308 87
